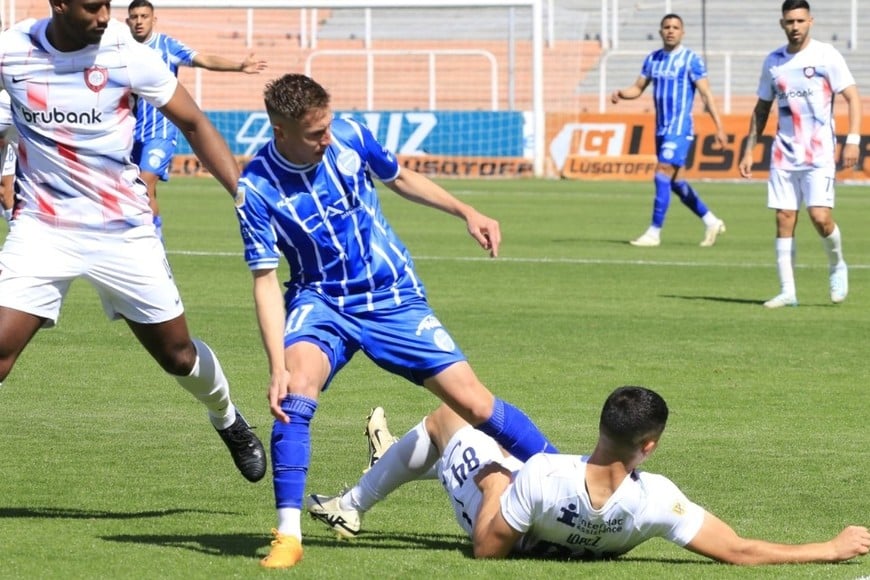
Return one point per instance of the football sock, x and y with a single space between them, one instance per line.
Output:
834 248
289 522
291 451
515 432
690 198
409 458
209 385
662 199
785 255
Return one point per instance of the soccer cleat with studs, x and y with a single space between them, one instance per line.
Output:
378 435
286 551
246 450
345 523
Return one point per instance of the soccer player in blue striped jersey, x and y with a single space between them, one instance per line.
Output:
309 196
156 137
676 73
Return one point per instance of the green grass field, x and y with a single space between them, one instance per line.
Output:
109 470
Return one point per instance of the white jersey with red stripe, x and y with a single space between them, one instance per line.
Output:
73 113
804 84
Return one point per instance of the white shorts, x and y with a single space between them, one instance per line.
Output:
467 451
10 158
787 189
129 269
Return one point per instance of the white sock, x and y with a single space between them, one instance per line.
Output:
785 255
289 522
834 248
209 385
406 460
710 219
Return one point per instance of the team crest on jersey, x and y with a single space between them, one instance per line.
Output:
96 78
239 197
809 71
348 162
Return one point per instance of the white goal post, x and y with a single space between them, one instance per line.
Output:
534 118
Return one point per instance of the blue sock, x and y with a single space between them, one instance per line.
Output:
291 451
662 199
514 431
689 197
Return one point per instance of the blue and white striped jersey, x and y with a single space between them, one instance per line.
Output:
326 220
150 122
673 75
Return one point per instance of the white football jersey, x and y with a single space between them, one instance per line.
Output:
803 85
73 113
549 504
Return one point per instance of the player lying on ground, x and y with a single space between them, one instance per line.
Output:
562 506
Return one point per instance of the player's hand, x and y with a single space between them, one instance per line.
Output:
614 97
850 156
745 165
851 542
278 388
252 65
486 231
719 139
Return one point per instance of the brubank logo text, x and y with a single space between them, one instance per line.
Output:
92 117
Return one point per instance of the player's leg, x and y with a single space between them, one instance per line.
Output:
819 187
783 195
135 283
662 199
317 345
411 342
410 458
713 226
38 263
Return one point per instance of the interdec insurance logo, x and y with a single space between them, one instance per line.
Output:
587 140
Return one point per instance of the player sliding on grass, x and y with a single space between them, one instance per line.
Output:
310 196
563 506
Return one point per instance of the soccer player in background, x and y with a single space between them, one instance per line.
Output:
309 195
156 137
803 77
675 72
590 507
81 210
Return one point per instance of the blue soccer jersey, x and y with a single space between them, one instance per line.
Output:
150 122
326 220
673 75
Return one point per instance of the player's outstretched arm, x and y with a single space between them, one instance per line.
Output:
418 188
718 541
250 65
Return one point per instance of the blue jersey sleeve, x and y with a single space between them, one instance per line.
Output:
380 161
697 68
178 53
646 67
255 222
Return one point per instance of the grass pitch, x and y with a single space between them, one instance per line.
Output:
109 470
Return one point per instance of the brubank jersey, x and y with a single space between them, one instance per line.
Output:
150 122
549 504
326 220
73 113
803 85
673 75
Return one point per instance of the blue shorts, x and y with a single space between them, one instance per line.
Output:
154 156
673 149
406 340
